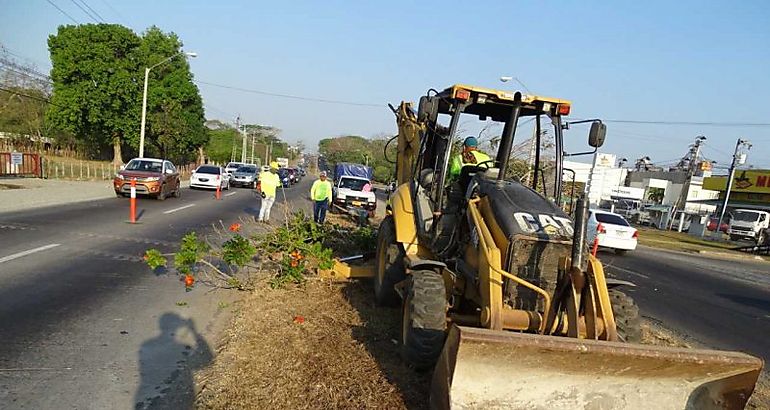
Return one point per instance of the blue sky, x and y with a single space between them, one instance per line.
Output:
660 61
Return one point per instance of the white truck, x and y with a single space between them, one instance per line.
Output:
750 224
348 190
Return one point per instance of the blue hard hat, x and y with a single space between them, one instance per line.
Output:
471 142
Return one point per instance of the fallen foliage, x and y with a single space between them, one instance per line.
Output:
320 345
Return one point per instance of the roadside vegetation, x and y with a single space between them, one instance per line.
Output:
299 341
684 242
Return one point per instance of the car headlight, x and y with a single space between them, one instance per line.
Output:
151 179
118 176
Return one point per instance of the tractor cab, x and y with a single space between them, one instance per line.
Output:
440 198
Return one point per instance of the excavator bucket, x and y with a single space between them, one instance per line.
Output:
485 369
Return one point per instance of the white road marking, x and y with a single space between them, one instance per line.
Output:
178 209
628 271
231 194
29 252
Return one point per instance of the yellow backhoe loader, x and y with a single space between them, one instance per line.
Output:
499 294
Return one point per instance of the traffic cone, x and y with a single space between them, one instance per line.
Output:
132 214
219 192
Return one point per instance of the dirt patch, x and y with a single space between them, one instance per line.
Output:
10 186
322 345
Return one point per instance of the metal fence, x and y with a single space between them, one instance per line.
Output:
20 164
54 168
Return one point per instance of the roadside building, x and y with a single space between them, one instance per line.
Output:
616 188
607 177
750 190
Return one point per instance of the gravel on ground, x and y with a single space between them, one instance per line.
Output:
26 193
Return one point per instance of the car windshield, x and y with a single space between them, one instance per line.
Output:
611 219
207 170
234 165
247 170
354 184
745 216
144 165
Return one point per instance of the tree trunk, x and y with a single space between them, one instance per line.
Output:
201 155
117 157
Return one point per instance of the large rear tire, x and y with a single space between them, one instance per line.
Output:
627 319
423 327
390 265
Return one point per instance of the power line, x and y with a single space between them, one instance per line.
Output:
45 80
45 100
714 124
295 97
92 10
85 11
63 12
123 19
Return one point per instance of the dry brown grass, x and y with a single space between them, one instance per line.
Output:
342 356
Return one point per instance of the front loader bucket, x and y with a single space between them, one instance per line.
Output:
485 369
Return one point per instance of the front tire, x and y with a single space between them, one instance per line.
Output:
390 265
627 319
423 322
178 191
161 195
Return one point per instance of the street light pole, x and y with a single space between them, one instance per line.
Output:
144 97
730 176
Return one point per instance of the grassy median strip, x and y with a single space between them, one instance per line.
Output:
684 242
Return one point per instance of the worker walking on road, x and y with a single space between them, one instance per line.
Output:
321 194
470 156
268 183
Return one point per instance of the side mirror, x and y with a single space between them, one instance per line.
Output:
169 171
428 109
122 167
597 134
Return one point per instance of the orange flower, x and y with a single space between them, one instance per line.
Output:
236 227
299 319
189 281
294 263
146 257
296 255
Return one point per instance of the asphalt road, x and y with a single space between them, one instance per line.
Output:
85 324
723 304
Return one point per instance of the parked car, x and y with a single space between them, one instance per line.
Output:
232 167
245 176
612 230
283 175
154 177
209 176
713 221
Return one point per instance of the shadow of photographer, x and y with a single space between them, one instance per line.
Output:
167 362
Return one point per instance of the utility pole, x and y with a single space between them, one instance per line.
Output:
244 150
731 175
691 167
531 158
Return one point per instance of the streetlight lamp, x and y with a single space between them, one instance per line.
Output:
144 96
507 78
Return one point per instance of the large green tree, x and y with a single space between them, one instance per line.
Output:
98 75
96 95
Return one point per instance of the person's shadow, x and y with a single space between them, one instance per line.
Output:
166 365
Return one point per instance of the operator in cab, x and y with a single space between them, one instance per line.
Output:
470 156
